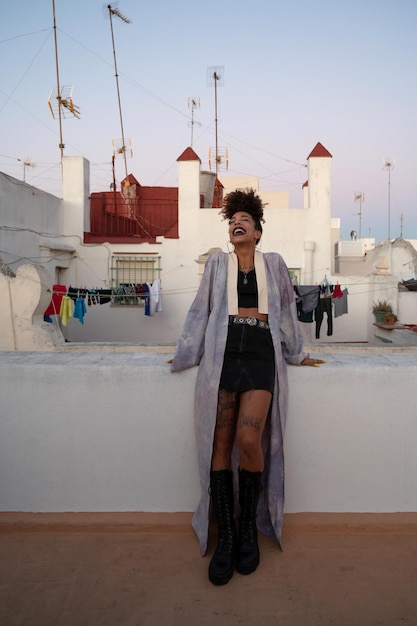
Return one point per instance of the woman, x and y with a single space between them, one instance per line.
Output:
241 329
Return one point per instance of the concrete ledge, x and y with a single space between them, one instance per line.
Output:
113 432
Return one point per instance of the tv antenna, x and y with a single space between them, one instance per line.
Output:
215 76
61 104
26 163
221 158
113 11
60 98
193 104
389 165
121 149
359 196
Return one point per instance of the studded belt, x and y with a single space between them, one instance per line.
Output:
250 321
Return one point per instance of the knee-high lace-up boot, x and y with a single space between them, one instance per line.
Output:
222 563
247 554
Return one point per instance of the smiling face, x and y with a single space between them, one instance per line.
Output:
242 229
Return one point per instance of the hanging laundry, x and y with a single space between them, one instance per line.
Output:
104 296
337 293
326 288
94 296
307 298
58 292
324 306
66 310
156 286
153 300
141 288
129 293
341 304
80 309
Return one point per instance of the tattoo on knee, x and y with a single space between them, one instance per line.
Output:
252 422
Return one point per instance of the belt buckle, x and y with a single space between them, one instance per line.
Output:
252 321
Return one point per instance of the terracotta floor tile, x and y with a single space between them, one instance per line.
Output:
151 577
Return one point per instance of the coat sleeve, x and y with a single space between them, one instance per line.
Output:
291 336
190 346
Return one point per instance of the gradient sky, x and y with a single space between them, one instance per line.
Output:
293 73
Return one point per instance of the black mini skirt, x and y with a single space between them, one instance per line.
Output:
249 359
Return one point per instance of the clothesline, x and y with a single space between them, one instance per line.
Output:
313 301
63 298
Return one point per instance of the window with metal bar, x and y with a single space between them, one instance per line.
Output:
129 275
295 273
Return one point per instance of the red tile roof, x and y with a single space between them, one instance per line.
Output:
189 155
319 151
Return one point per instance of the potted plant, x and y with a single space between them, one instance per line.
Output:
389 318
381 308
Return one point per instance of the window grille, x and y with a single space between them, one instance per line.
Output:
295 273
129 273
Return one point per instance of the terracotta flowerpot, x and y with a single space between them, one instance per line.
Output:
389 319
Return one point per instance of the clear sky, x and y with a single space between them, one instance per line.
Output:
293 73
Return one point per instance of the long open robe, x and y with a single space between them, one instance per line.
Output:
203 342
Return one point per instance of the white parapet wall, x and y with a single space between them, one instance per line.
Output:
113 431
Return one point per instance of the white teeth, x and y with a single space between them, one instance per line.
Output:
239 231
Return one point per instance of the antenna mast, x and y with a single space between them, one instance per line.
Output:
61 144
114 11
359 195
193 103
389 165
214 76
61 96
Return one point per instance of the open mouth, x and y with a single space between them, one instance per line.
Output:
239 231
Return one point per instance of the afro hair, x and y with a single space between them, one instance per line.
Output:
247 201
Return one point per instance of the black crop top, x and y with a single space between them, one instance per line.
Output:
247 294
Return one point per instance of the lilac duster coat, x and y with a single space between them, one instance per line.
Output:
202 343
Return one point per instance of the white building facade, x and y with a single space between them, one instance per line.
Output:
47 232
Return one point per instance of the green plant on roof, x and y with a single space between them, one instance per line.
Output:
382 305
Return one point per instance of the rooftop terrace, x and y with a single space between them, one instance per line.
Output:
138 570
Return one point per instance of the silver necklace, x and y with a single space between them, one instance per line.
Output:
245 273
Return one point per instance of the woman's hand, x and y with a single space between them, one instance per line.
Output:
312 362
